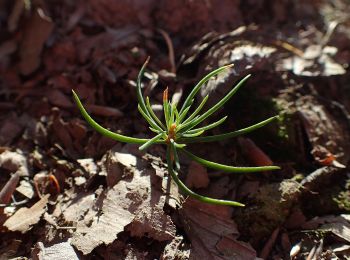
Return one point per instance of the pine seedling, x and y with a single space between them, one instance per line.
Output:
181 127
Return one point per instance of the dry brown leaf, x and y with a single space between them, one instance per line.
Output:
25 218
61 130
254 153
131 201
213 233
126 159
14 162
77 129
151 219
171 189
57 98
36 32
60 251
26 189
197 176
77 209
114 164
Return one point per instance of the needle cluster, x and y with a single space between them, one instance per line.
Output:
181 126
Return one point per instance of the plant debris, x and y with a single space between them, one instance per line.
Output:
25 218
100 199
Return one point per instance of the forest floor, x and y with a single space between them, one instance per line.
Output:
67 192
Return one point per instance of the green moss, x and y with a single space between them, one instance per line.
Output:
269 210
343 197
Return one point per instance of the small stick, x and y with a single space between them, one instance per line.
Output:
269 244
170 46
9 188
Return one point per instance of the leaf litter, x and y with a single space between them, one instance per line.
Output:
213 233
132 204
302 64
25 218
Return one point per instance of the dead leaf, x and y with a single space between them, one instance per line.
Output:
151 220
126 159
26 189
61 130
36 33
77 208
25 218
131 201
115 164
213 233
59 251
57 98
104 111
253 153
197 176
77 129
174 197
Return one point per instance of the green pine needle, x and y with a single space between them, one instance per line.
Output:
178 129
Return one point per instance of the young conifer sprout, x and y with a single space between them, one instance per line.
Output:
181 127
